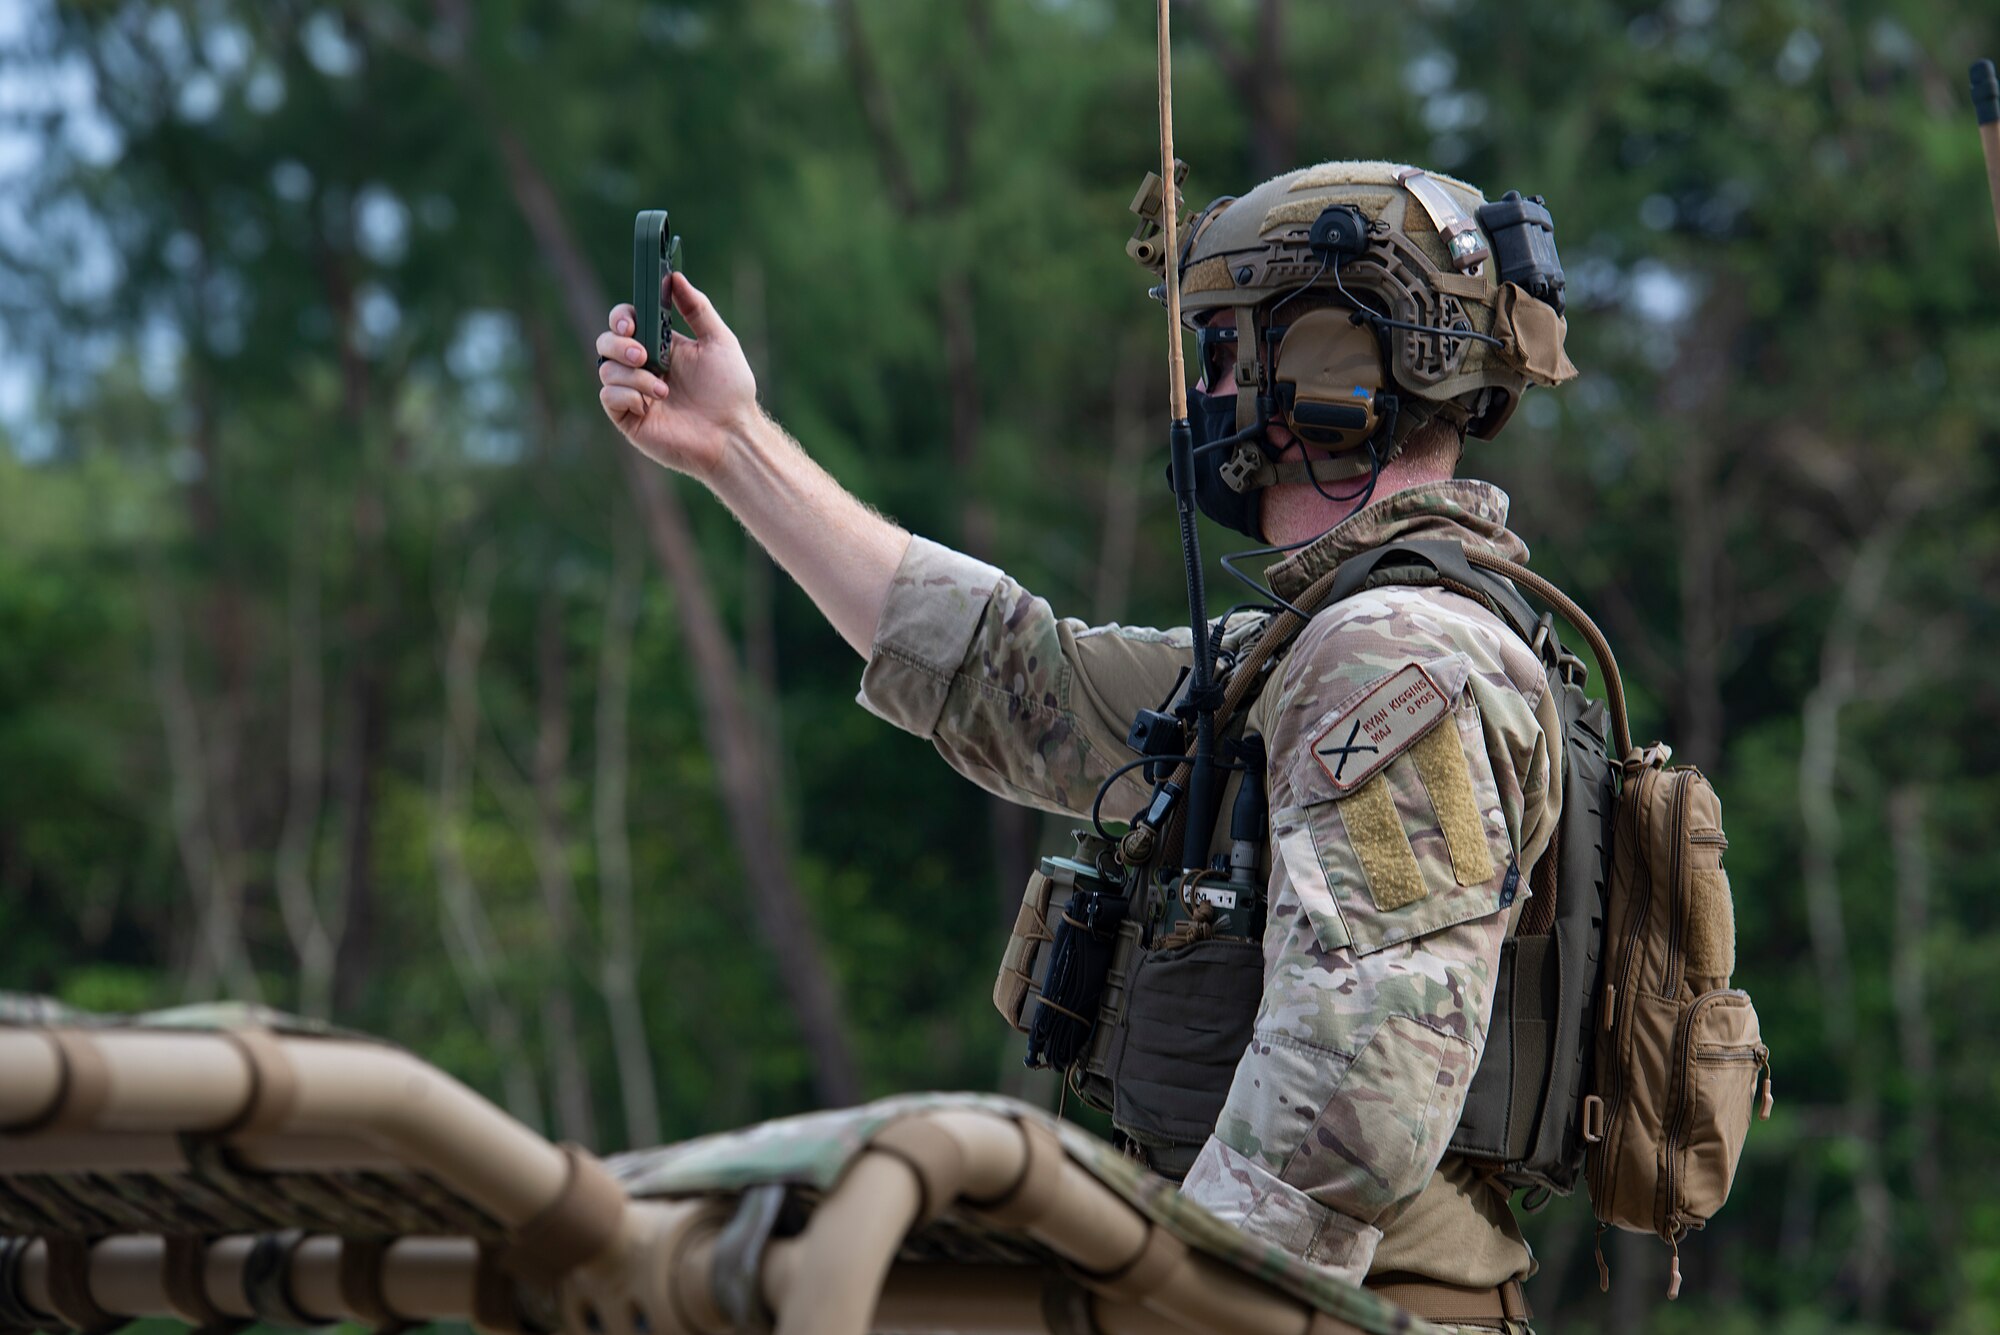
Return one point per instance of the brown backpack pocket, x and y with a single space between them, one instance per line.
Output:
1720 1060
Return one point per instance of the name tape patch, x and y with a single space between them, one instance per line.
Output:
1372 731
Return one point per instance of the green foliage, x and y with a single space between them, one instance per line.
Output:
306 389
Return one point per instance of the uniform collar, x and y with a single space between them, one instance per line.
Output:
1462 510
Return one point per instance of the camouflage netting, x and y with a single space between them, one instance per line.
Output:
811 1153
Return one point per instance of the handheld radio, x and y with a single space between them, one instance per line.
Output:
656 253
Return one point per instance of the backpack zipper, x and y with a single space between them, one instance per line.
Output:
1621 1001
1682 1103
1670 980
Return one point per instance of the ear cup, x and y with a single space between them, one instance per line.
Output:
1329 377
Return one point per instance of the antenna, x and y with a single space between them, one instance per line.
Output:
1202 696
1985 105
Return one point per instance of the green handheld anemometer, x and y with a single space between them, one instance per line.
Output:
656 253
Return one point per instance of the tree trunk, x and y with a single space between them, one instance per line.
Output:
576 1115
469 940
218 954
618 927
315 932
575 1109
1915 1039
1863 587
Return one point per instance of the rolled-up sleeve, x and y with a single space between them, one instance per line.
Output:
935 604
1028 705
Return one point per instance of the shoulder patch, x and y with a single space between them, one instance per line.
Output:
1372 729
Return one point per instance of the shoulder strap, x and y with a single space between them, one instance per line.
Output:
1453 565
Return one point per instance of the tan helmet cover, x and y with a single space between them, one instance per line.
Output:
1247 251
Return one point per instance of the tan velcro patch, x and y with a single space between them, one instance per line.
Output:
1375 833
1209 275
1362 172
1711 924
1441 761
1291 212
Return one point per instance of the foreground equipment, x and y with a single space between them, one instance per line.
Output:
219 1167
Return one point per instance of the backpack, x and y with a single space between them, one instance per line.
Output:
1677 1063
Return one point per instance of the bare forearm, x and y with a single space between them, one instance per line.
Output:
842 553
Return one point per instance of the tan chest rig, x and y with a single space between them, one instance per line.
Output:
1178 962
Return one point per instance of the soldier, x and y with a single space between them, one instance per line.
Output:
1353 331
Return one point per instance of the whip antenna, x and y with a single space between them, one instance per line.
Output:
1985 105
1170 219
1202 695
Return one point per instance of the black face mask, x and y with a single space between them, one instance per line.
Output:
1212 417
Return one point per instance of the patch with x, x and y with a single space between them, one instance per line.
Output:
1375 727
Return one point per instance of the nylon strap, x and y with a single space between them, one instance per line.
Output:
85 1087
15 1313
496 1301
572 1228
1334 468
267 1280
360 1279
274 1085
1462 240
69 1287
184 1276
1434 1300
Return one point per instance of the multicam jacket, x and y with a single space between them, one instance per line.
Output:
1388 899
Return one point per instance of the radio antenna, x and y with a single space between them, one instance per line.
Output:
1986 106
1202 695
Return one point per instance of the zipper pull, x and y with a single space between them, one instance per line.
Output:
1603 1270
1610 1005
1674 1274
1764 1100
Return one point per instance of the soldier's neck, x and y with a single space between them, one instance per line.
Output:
1297 512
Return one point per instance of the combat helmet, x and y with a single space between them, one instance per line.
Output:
1369 299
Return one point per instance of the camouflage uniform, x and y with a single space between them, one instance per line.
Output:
1388 904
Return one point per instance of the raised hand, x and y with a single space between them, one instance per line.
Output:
687 420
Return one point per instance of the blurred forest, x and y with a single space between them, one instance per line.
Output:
349 662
